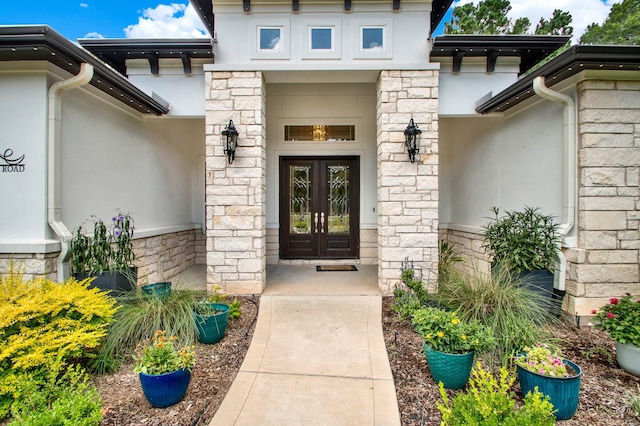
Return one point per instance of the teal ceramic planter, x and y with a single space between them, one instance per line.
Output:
163 390
211 327
563 392
453 370
160 290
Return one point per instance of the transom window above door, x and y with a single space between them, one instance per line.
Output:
320 133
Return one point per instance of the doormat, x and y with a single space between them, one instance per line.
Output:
332 268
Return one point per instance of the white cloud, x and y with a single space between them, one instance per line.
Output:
583 12
167 21
93 34
85 5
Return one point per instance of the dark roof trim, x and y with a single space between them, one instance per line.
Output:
40 42
115 52
530 48
438 9
570 62
204 8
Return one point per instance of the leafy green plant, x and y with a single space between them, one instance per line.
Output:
445 332
543 360
218 297
70 400
447 259
523 240
138 319
510 310
620 318
45 326
490 401
108 249
633 403
162 355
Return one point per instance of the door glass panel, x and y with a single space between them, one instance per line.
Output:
338 214
300 205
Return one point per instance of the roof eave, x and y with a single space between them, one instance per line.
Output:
35 41
570 62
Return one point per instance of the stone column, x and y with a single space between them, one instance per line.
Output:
606 263
235 193
407 192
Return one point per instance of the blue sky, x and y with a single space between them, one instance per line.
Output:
154 18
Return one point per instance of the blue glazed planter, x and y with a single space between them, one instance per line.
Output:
453 370
163 390
211 327
161 290
563 392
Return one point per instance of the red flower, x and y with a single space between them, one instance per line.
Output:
614 301
610 315
593 311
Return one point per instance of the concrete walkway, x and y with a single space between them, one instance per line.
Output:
317 356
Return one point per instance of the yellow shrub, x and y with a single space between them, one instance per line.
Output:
44 324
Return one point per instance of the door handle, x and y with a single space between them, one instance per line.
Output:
321 223
315 221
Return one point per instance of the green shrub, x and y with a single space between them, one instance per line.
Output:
66 401
512 311
138 319
447 258
45 326
490 401
219 297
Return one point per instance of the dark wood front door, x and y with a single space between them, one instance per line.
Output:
319 207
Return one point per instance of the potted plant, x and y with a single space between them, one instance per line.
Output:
107 254
212 316
164 370
544 368
621 319
450 344
526 243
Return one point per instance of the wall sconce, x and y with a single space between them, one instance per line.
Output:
230 141
412 140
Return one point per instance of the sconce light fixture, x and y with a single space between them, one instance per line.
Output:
230 141
412 140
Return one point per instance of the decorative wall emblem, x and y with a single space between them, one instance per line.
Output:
10 164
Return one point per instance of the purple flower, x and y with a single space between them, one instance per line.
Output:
120 217
117 232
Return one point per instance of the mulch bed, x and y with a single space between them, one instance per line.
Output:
216 367
603 392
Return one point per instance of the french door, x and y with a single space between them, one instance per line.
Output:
319 207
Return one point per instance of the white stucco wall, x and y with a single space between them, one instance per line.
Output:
459 92
23 114
408 32
145 165
185 93
323 104
112 157
507 161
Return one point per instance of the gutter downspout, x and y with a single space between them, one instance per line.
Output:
54 208
569 208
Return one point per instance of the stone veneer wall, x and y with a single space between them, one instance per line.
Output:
159 258
235 193
469 246
606 264
407 192
32 264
